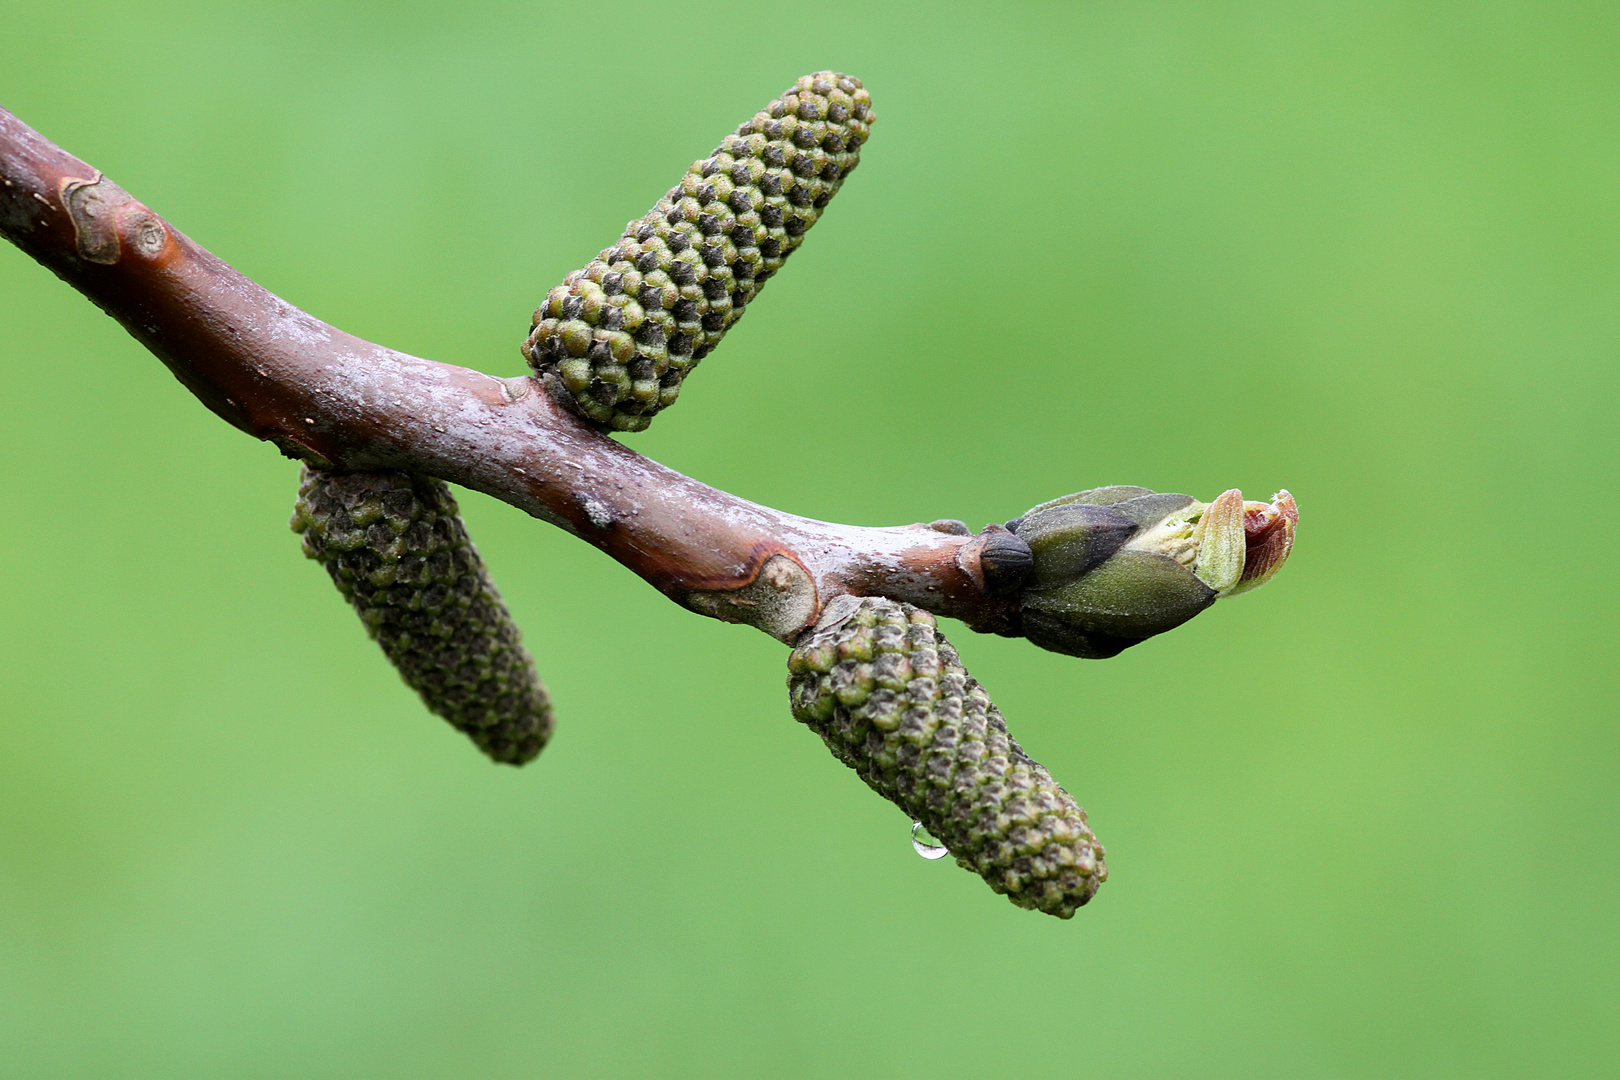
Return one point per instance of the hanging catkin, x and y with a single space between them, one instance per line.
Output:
889 696
397 550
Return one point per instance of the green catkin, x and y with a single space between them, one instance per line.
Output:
889 696
397 549
619 335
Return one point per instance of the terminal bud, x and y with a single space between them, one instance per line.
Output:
1114 566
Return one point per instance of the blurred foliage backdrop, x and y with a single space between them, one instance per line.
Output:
1361 824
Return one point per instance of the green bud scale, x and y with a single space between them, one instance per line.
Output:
889 696
1112 567
621 334
398 551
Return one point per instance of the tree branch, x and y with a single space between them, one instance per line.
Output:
1088 574
341 402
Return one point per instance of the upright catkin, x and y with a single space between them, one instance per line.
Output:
889 696
619 336
395 546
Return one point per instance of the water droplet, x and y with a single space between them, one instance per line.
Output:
924 842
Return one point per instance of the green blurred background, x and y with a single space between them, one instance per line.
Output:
1361 824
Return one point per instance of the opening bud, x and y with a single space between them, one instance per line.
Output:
1269 534
1114 566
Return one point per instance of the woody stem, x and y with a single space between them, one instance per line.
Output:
341 402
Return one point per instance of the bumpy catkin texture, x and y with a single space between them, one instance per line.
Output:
395 545
890 698
621 334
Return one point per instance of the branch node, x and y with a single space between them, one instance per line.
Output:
516 388
781 600
105 217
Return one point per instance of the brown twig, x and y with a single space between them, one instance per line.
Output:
341 402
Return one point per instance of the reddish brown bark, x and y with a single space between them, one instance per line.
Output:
318 393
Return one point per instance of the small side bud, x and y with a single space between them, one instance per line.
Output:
889 696
950 527
1006 561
